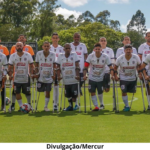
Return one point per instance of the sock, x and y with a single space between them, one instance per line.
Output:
149 100
94 100
76 101
28 98
20 102
70 102
56 94
125 100
100 96
13 99
46 101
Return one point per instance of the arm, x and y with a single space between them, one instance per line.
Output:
77 70
112 72
10 71
85 70
140 55
116 73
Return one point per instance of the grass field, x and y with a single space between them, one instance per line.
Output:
101 126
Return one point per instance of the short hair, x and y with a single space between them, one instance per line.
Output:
55 33
102 38
128 46
147 32
97 45
126 37
67 44
46 42
22 35
76 33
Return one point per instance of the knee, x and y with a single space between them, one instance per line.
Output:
93 94
107 90
124 94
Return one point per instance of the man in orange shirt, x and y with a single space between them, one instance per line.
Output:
4 50
27 48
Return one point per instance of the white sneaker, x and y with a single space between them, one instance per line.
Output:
102 107
46 109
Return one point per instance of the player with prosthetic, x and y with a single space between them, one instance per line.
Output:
81 50
68 66
45 61
20 62
128 64
97 62
26 48
57 49
125 41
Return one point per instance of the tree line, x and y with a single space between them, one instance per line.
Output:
37 20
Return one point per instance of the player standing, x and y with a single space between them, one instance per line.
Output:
143 52
81 50
20 62
45 61
128 64
57 49
97 62
26 48
125 41
68 65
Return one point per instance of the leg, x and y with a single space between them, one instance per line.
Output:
100 93
106 82
13 99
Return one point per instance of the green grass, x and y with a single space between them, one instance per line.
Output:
101 126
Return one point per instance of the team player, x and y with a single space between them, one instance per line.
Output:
81 50
108 51
20 62
57 49
45 61
27 48
143 52
128 64
97 62
4 50
125 41
68 65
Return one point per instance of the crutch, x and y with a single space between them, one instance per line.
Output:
84 98
36 104
79 95
61 96
35 93
10 95
32 94
53 96
64 99
131 100
142 95
114 97
145 88
5 97
117 110
89 93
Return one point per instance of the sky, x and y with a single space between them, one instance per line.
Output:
121 10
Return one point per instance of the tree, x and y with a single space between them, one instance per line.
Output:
137 23
115 24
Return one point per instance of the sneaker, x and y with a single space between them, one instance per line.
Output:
2 107
102 107
96 109
20 109
12 107
69 108
55 107
76 107
46 109
126 109
148 107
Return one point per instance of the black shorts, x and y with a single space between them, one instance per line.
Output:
71 90
42 87
106 81
24 86
0 84
128 86
93 85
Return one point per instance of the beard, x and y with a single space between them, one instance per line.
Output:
19 50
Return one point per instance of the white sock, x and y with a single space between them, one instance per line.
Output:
94 100
56 94
76 101
149 100
20 102
125 100
13 98
28 98
100 96
70 103
46 101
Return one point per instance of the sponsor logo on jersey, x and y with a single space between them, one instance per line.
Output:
46 65
131 67
67 64
78 53
26 49
57 55
21 64
147 52
98 66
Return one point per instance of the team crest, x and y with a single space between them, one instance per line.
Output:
25 59
80 48
107 52
26 49
133 62
60 50
50 59
71 58
102 61
63 69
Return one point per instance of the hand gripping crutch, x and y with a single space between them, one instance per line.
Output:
10 95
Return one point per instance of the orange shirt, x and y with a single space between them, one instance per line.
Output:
26 48
4 50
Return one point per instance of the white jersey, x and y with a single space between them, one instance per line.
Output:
81 50
147 61
120 51
127 71
59 49
98 66
45 66
21 66
3 65
68 66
